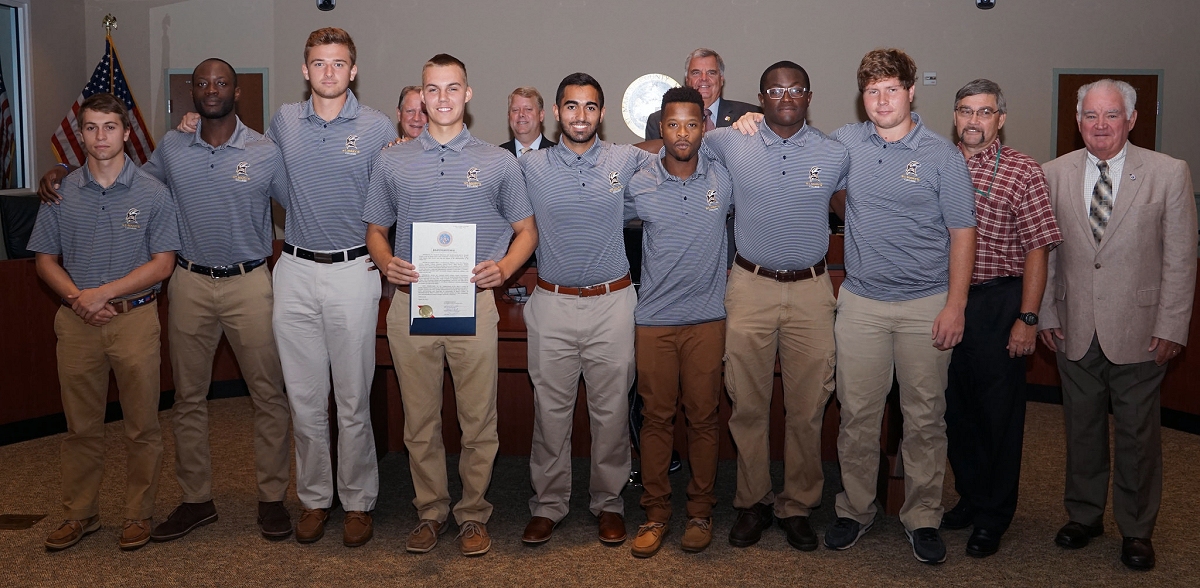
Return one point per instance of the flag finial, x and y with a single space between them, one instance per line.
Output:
110 23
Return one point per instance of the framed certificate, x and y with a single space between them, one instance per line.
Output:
442 300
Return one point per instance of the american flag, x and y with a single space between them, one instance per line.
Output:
68 146
8 140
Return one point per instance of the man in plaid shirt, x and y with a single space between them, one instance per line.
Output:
985 400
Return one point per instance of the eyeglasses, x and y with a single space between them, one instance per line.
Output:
777 93
983 113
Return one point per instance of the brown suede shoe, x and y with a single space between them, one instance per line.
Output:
186 517
273 520
357 528
134 534
649 539
697 535
473 538
312 524
538 530
612 528
425 536
70 532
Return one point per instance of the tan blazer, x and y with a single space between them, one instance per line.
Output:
1139 282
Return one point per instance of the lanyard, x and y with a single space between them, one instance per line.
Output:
993 180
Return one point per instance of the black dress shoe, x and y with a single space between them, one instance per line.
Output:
983 542
1137 553
1076 535
959 517
751 522
799 534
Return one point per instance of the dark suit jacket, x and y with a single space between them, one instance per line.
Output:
511 145
1139 282
727 113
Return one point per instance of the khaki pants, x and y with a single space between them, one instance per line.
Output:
873 337
570 336
129 345
419 366
679 364
240 306
794 319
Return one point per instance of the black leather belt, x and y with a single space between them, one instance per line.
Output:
221 271
126 304
780 275
994 282
325 256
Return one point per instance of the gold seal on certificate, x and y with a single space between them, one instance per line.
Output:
644 97
443 297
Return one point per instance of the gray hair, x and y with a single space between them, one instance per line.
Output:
1128 95
982 86
702 52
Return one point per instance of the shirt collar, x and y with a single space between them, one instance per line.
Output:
591 157
349 109
237 140
985 157
428 143
125 178
532 144
1118 159
662 175
911 140
770 138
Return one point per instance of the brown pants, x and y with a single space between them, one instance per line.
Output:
679 364
128 345
240 306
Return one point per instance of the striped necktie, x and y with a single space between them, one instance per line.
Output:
1102 202
525 150
708 123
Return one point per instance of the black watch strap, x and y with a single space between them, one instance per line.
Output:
1029 318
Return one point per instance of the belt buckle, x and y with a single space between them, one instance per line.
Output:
322 257
212 272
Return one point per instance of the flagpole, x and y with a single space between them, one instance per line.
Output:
110 23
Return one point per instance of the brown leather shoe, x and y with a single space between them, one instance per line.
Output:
70 532
134 534
357 528
612 528
424 537
473 538
538 530
697 535
649 539
311 526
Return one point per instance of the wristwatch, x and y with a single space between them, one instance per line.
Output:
1029 318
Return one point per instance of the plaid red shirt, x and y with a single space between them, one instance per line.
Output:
1012 212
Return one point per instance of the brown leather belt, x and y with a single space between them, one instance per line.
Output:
587 291
126 304
781 275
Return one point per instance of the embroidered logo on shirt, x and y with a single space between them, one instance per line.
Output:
814 179
910 172
614 182
711 199
131 219
473 178
351 145
239 174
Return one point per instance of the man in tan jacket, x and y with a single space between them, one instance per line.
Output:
1116 310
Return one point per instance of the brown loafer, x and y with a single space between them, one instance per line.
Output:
357 528
424 536
473 538
612 528
538 530
134 534
311 526
70 532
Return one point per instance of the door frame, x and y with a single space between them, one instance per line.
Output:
266 99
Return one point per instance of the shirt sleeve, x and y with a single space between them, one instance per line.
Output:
378 206
164 225
45 237
280 183
155 166
1036 226
514 197
956 194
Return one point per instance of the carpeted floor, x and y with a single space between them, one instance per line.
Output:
231 553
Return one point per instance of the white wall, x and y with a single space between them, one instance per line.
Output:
537 42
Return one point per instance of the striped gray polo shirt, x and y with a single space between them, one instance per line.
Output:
579 203
105 233
463 181
781 191
327 164
900 202
223 193
683 243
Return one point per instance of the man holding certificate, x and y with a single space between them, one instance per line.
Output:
444 190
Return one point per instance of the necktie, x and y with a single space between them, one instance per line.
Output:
708 123
525 150
1102 202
